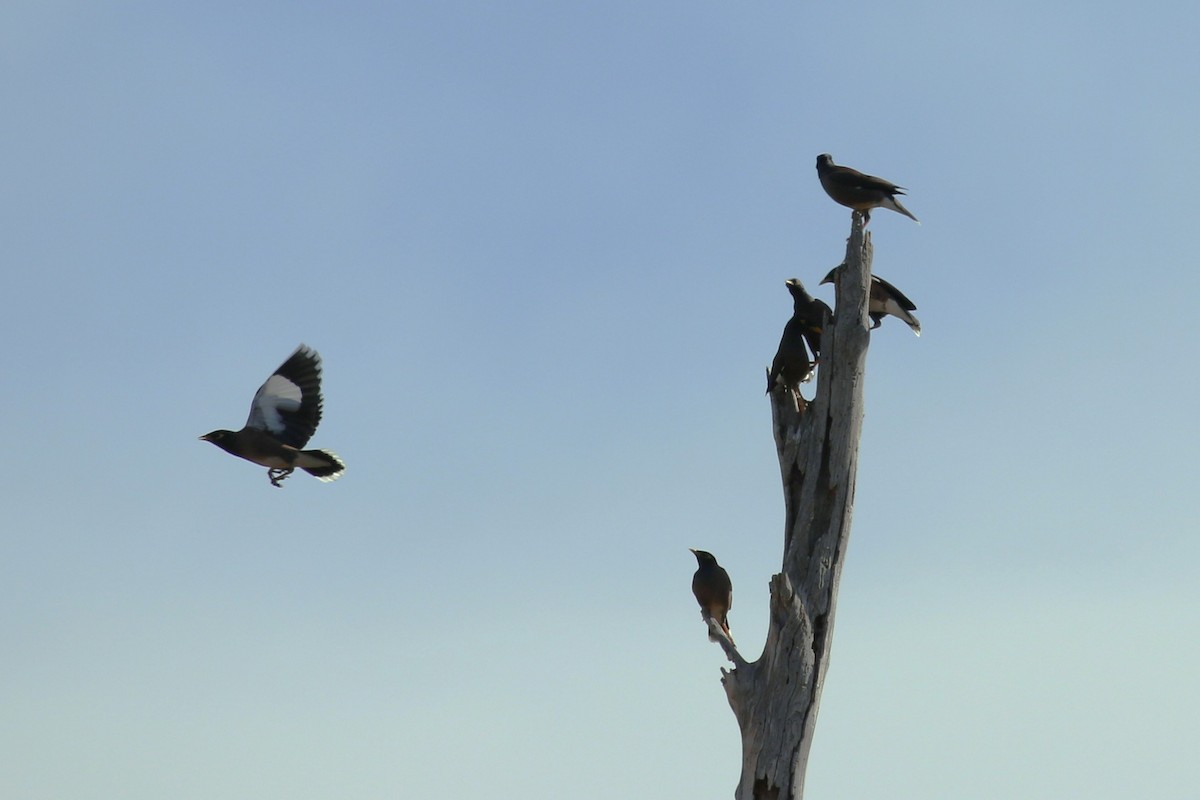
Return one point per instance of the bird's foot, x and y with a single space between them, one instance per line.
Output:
277 475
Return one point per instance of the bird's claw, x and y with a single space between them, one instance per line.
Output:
277 475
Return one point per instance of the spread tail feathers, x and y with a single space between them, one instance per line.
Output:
321 464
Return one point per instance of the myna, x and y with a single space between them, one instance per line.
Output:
855 190
283 417
885 299
791 365
713 591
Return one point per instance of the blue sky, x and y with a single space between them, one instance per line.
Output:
541 248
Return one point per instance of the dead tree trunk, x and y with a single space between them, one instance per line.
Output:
775 698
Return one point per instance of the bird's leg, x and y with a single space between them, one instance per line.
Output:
277 475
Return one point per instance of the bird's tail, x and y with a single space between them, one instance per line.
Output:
894 205
900 312
725 628
321 464
717 628
913 322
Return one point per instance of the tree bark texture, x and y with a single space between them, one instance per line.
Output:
775 698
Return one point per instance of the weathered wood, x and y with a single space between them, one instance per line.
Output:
775 698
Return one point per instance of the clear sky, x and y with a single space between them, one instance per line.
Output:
541 247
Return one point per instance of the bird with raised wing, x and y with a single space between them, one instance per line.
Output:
284 415
885 300
859 191
714 592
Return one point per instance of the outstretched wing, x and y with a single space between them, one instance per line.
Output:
288 405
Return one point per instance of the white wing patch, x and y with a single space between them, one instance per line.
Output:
276 395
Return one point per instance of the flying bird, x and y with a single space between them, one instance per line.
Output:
791 365
885 300
714 592
283 417
855 190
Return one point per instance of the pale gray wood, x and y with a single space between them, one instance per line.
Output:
775 698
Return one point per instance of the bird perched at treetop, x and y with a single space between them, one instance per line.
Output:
714 592
884 300
283 417
791 365
861 192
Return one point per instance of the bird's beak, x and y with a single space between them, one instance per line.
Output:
693 550
205 438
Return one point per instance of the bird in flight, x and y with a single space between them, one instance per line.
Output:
283 417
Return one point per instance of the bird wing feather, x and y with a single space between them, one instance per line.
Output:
288 405
861 180
275 398
896 294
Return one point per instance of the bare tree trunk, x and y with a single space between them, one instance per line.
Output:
775 698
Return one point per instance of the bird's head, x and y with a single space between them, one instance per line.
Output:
799 293
703 557
832 276
824 161
216 437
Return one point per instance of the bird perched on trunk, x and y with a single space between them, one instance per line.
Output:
855 190
714 592
884 300
791 365
283 417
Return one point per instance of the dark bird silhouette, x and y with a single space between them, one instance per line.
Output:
284 415
714 592
855 190
885 300
791 365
